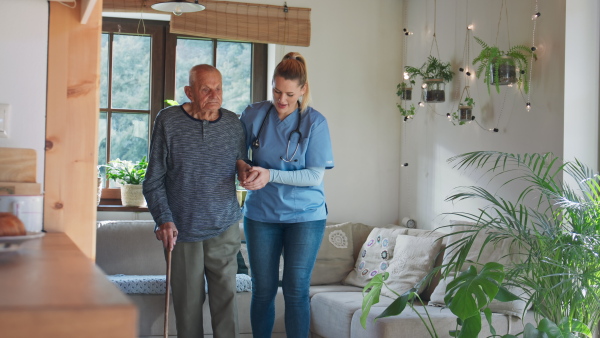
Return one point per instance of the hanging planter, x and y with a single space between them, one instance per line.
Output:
434 90
404 90
464 114
503 71
503 67
435 75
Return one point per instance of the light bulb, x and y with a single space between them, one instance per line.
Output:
421 104
405 76
424 85
535 16
528 106
470 27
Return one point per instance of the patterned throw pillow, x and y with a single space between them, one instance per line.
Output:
375 255
335 258
413 259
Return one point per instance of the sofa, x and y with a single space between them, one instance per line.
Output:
350 254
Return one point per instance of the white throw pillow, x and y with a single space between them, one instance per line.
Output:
499 252
335 258
413 259
374 256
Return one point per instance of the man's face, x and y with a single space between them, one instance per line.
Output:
206 93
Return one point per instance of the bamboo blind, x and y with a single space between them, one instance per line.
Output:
233 21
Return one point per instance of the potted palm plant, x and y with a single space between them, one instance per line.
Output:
500 67
130 176
557 225
435 74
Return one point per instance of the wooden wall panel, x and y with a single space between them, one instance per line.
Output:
72 124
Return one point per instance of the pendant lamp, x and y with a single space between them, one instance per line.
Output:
178 7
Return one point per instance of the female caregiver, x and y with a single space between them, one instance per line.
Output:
285 206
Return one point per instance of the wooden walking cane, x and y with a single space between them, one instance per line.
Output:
166 332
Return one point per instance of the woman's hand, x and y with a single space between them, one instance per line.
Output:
256 178
167 233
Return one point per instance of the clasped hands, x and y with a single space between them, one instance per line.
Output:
253 178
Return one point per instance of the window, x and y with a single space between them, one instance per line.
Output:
142 65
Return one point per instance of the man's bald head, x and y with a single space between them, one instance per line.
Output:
198 70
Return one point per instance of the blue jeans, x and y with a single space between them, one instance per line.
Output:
300 243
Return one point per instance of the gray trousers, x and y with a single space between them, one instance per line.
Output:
190 262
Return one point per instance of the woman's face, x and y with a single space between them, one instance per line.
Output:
286 94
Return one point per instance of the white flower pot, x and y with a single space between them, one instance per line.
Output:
132 196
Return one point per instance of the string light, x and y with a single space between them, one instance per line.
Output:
536 15
448 116
424 85
528 106
533 49
470 27
421 104
461 69
406 76
468 73
405 164
495 130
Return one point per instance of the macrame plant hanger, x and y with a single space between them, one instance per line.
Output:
463 114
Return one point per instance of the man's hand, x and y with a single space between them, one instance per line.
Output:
245 173
260 177
167 233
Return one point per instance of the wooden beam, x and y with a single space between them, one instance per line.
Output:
72 125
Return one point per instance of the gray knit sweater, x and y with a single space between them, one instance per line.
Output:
191 172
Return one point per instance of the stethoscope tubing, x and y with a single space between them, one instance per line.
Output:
256 142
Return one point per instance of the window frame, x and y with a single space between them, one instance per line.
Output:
162 83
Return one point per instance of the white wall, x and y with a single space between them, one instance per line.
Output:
353 65
23 69
431 139
582 57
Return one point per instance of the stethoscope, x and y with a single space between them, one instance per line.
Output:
256 142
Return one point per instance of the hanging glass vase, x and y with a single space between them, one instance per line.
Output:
434 90
507 72
465 113
406 94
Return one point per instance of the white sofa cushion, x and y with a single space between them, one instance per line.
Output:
408 324
494 252
335 258
331 312
374 256
413 259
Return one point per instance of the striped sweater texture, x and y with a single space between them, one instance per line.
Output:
191 172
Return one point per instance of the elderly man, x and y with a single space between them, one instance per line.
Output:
190 189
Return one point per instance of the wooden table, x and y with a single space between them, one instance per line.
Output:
50 289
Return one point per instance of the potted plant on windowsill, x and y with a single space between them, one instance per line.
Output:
130 176
500 67
435 75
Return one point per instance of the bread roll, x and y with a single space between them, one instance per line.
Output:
11 225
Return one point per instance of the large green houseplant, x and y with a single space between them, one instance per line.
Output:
557 225
500 67
435 75
130 176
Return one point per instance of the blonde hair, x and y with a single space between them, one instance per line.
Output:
293 67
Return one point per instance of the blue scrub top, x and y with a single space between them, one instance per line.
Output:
282 203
